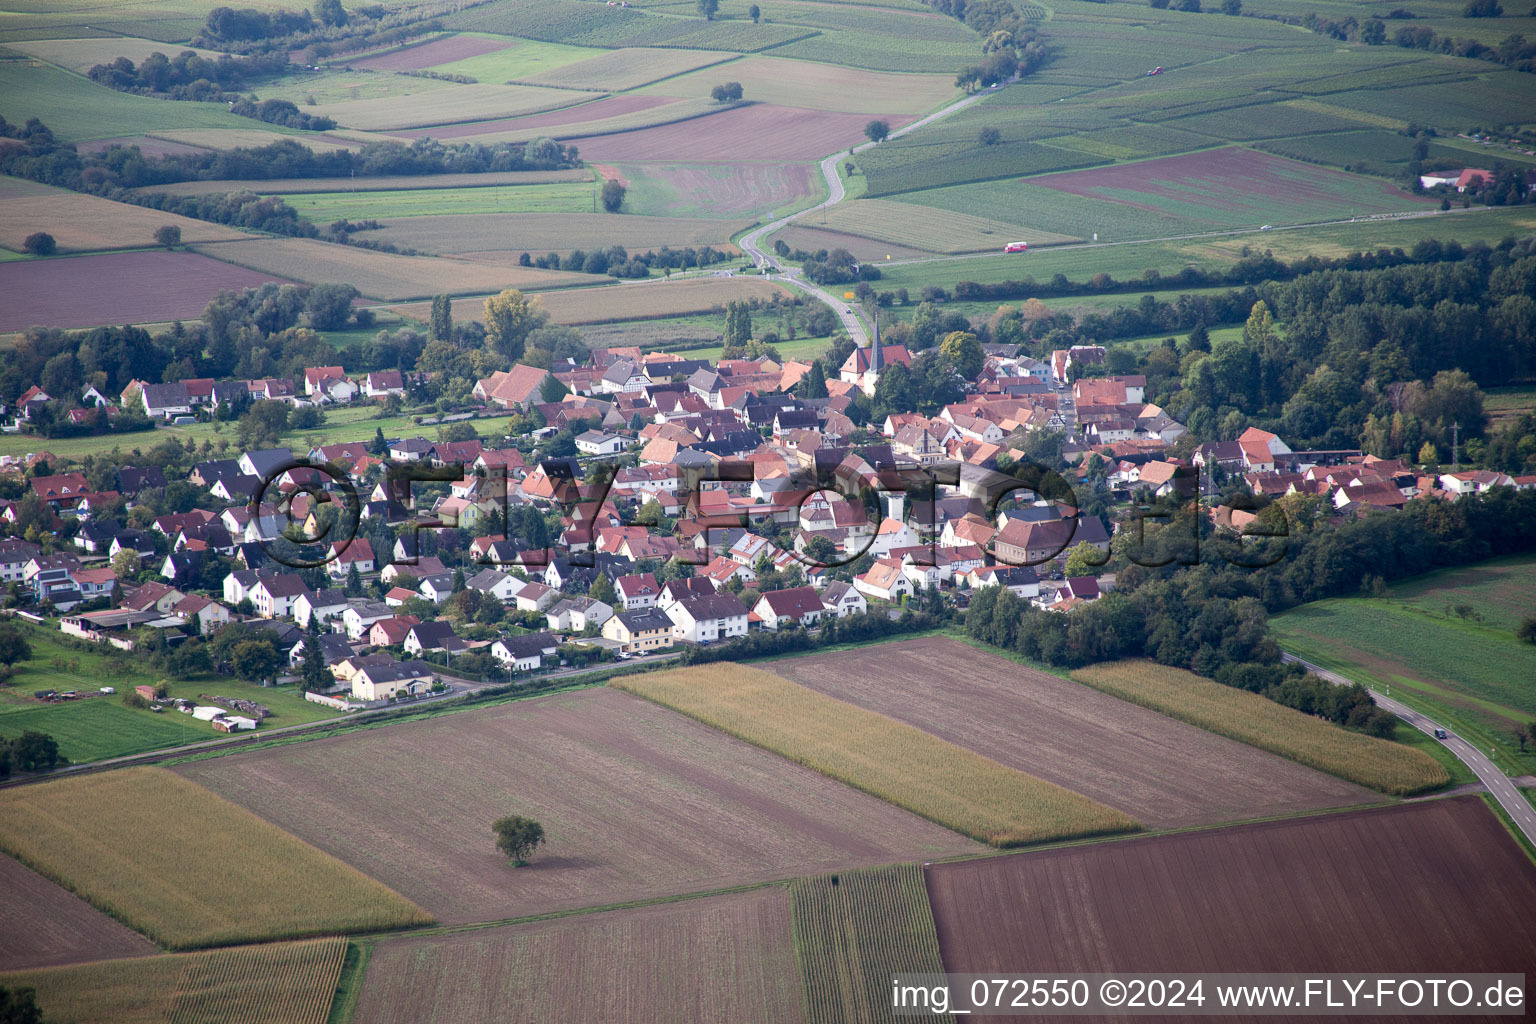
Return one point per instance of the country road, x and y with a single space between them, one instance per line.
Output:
751 242
1504 791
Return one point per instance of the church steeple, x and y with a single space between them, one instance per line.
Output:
876 350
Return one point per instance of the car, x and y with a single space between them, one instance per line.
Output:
1016 247
1440 734
1266 227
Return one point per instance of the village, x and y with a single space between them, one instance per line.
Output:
704 501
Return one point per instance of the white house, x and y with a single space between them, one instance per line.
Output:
273 596
797 606
575 614
320 606
841 599
524 653
702 618
597 442
885 581
379 682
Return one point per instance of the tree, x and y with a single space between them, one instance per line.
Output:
1084 560
518 837
990 136
877 131
314 675
13 646
709 8
1526 632
728 92
329 306
39 243
738 324
814 383
1522 735
613 195
754 13
1232 7
125 563
963 350
602 590
440 327
19 1006
255 660
34 751
1482 9
509 317
168 235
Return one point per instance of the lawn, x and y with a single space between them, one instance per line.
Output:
186 867
1250 718
561 197
955 787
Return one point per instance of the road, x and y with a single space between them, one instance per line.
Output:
1504 791
751 242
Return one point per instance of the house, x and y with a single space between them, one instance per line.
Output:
51 578
344 556
494 583
380 383
62 490
194 609
273 596
517 388
575 614
597 442
14 556
384 682
163 401
265 463
1022 580
410 449
637 591
647 629
334 648
525 653
702 618
94 583
359 618
436 588
797 606
319 607
316 376
842 599
433 636
391 631
1025 543
535 597
885 581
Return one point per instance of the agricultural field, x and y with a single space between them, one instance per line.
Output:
812 86
447 106
915 227
1162 772
84 223
42 925
232 137
637 803
716 190
498 234
756 131
852 932
80 55
593 117
119 288
513 60
380 183
627 68
1509 403
878 754
656 299
1260 722
380 275
559 197
1438 886
184 866
77 109
1444 641
588 24
726 958
278 983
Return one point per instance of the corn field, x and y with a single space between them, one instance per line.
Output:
896 762
853 930
1249 718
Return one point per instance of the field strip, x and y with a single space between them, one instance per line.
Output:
903 765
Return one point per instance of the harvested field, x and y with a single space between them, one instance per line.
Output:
716 189
80 55
1163 772
276 983
233 138
808 235
722 958
757 131
622 303
853 931
184 866
812 86
447 106
554 232
958 788
560 197
148 145
381 183
1435 886
42 925
116 288
636 802
628 68
577 113
442 50
86 223
926 228
382 275
1259 721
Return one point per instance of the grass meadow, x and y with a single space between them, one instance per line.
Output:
928 776
1250 718
186 867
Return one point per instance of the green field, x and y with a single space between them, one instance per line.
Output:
101 727
1468 671
77 109
523 58
561 197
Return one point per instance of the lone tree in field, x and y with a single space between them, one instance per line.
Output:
877 131
518 837
709 8
168 235
754 13
990 136
613 195
729 92
39 243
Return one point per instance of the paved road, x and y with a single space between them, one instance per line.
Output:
1504 791
751 242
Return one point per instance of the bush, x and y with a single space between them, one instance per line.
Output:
39 243
168 235
1527 630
